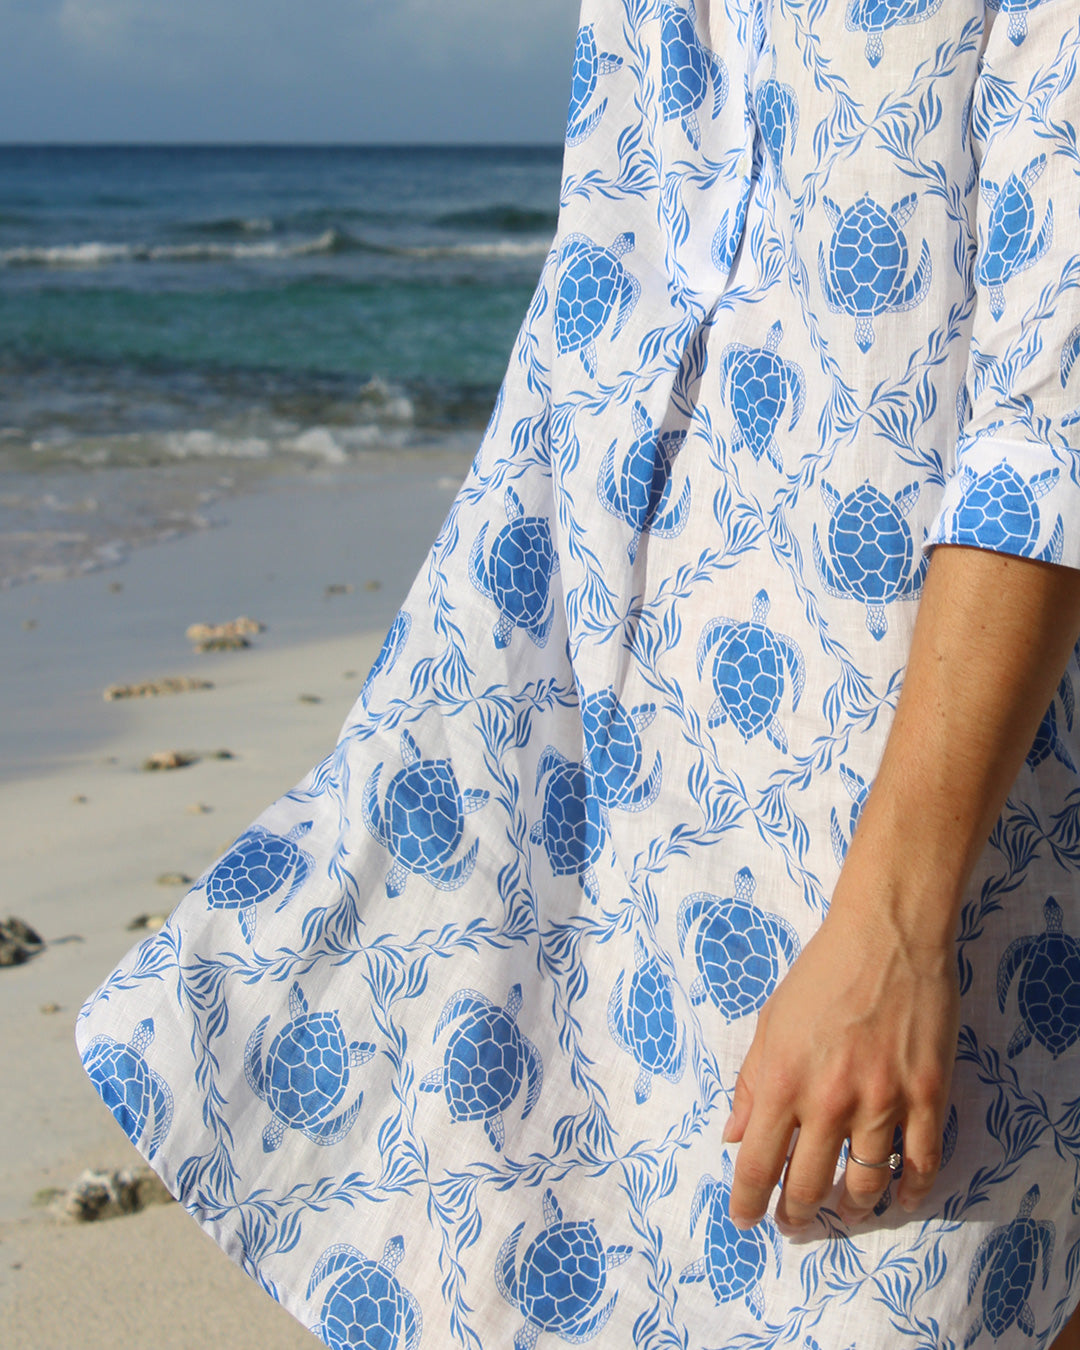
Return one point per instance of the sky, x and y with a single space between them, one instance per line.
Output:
286 70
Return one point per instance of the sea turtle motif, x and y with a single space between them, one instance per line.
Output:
485 1062
562 1278
1010 1256
614 753
133 1091
591 280
748 673
1009 244
589 64
517 575
1049 991
735 1261
872 553
257 866
641 492
1017 10
858 789
422 821
867 262
736 948
1069 351
999 510
873 17
366 1307
760 385
305 1075
777 111
1048 739
389 652
646 1027
686 67
571 827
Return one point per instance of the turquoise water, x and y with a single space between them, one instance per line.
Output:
175 320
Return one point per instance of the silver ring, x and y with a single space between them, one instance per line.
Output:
892 1162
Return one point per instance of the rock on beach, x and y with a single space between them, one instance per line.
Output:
106 1195
18 942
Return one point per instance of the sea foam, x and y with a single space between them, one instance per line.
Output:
97 254
496 248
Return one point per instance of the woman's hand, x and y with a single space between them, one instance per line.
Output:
859 1038
861 1035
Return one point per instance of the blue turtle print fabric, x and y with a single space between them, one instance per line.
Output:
441 1049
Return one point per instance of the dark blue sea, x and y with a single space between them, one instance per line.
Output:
177 321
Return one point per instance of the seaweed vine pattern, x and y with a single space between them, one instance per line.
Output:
440 1050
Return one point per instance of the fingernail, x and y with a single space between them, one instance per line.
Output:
727 1127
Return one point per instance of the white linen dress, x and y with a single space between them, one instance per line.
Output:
440 1051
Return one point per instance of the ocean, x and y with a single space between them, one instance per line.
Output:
177 322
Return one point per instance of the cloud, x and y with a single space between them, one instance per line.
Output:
278 69
517 32
100 24
147 36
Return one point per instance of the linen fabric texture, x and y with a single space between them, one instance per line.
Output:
441 1050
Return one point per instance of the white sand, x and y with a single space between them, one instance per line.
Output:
79 871
150 1280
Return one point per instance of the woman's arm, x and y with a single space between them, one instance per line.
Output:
861 1035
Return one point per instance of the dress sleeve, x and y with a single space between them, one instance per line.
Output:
1015 485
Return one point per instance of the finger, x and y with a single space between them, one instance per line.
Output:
809 1178
743 1102
760 1163
865 1185
741 1107
922 1157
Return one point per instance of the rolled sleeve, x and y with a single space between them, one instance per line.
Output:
1014 486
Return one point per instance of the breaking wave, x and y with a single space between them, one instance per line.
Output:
95 253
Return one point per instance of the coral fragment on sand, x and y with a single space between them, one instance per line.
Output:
173 684
213 637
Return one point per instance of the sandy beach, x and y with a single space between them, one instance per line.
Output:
91 841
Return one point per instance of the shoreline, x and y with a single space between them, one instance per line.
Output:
271 553
90 838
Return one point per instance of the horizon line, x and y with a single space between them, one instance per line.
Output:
278 145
